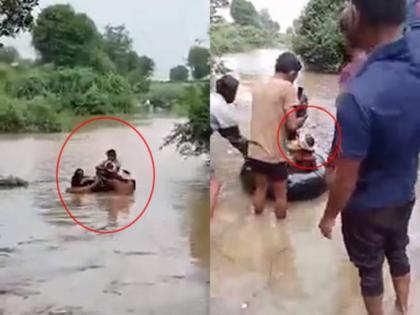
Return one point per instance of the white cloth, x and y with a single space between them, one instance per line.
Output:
222 114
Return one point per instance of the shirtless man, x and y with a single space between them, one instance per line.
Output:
270 103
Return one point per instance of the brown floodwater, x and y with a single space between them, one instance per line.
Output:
50 265
263 267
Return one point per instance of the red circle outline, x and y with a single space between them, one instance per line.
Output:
63 203
331 158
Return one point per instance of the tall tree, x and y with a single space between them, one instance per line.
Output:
267 21
179 73
118 45
16 16
244 13
64 37
318 40
198 61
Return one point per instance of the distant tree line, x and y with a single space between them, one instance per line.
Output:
250 29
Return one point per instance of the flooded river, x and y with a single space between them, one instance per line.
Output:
261 266
49 265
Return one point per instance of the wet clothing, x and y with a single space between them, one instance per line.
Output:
275 172
270 103
380 122
370 236
223 120
222 114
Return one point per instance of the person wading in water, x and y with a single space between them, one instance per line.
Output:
374 189
270 103
223 120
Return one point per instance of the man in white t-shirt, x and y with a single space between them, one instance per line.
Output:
222 120
223 115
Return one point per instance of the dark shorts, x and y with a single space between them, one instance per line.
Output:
277 172
370 236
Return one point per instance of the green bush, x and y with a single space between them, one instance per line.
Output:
28 116
80 90
232 38
318 40
193 137
166 94
40 115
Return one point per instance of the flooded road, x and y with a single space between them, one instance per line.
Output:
261 266
49 265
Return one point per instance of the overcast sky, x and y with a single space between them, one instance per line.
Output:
162 29
283 11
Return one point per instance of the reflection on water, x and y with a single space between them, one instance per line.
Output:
261 266
49 265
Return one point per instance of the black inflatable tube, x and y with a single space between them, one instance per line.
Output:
301 186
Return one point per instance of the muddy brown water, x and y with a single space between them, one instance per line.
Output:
49 265
261 266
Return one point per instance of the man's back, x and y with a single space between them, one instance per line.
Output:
381 124
269 105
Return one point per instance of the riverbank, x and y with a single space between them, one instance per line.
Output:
46 99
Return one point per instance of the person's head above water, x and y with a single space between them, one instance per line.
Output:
227 86
288 66
111 155
375 22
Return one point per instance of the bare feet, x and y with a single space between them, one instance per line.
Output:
258 211
401 309
281 215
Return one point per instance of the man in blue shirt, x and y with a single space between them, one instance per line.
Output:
377 169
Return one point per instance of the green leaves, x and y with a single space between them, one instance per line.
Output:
16 16
193 137
318 40
198 61
64 37
179 73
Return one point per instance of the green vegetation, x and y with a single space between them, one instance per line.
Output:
317 38
79 72
193 137
179 73
198 61
168 95
16 16
251 29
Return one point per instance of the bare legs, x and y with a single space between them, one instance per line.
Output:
374 305
402 290
280 192
214 192
260 196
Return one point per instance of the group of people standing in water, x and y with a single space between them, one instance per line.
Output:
372 181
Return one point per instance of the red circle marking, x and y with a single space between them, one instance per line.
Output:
58 167
334 154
